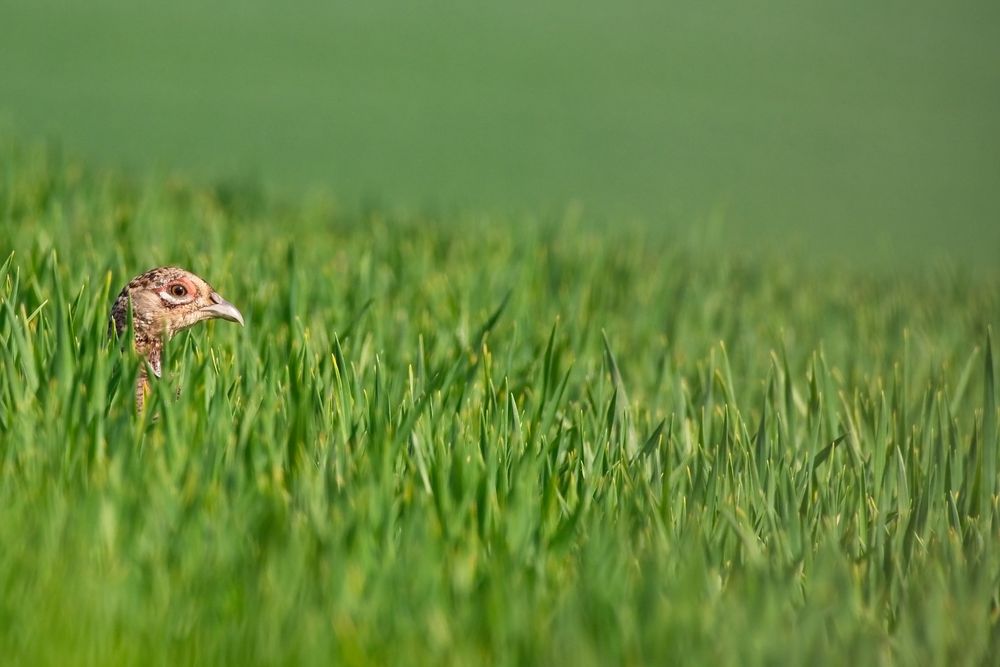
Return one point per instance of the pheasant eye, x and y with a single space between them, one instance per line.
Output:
178 290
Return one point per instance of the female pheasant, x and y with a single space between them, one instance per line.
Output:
164 301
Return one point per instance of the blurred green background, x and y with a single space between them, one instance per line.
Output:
851 128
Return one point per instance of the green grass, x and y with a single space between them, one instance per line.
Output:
461 440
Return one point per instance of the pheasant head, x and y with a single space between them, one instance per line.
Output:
164 301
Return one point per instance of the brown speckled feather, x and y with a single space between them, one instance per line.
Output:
148 280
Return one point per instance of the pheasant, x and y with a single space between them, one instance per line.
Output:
164 301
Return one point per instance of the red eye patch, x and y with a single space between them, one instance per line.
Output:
177 292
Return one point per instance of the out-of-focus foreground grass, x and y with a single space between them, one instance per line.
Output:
446 441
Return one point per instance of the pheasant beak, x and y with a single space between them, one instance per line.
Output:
222 309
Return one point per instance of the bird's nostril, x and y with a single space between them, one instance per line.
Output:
216 298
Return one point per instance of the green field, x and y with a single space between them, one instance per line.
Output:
445 440
577 333
858 128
